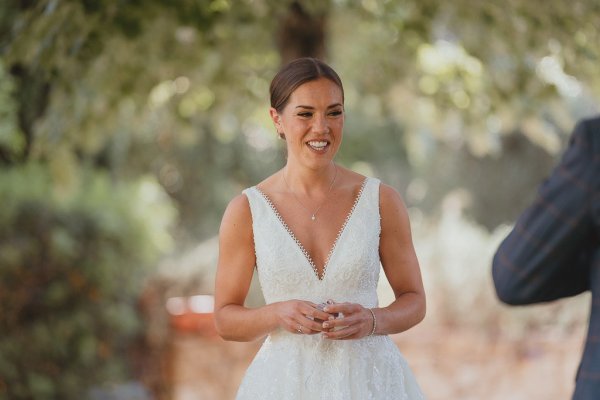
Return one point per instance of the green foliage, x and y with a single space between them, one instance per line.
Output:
179 89
161 88
71 267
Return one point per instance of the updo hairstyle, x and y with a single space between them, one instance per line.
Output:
294 74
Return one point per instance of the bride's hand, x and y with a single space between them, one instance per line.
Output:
356 322
298 316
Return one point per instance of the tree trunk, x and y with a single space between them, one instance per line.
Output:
301 34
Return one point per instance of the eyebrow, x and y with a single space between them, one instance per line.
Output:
312 108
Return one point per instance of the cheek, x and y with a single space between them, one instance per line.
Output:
295 125
338 127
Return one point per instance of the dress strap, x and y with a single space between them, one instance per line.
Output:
372 196
258 208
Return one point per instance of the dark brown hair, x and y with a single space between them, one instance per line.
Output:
294 74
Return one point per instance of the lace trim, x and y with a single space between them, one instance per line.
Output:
299 244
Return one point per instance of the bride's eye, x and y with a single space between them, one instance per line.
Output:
305 114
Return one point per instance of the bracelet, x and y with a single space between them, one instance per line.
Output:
374 322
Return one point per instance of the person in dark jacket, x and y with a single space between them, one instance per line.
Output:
554 249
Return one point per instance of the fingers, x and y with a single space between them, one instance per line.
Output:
318 315
311 325
314 320
302 330
304 317
349 314
344 308
347 333
344 328
354 323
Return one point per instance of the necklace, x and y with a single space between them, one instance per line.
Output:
313 215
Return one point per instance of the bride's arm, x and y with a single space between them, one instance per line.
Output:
401 268
234 274
400 265
235 267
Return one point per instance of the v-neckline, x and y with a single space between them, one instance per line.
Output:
301 247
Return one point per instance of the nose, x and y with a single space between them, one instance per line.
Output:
320 125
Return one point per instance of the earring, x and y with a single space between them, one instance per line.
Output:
281 135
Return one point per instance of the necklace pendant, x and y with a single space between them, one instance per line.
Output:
313 217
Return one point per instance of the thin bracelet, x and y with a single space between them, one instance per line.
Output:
374 322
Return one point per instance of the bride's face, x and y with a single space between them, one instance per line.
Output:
312 122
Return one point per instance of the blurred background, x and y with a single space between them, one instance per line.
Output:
126 126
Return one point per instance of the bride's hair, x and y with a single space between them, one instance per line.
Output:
294 74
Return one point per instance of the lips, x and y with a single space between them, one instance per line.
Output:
318 145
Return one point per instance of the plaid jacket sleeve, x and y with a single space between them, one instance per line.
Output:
549 252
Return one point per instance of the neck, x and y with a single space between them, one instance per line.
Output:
305 180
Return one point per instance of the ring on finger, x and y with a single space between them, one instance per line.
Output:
299 329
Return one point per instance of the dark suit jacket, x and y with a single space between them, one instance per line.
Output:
554 249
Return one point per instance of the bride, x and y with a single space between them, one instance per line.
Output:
317 234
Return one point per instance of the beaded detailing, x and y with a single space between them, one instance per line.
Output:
299 244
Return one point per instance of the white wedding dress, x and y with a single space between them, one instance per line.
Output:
293 366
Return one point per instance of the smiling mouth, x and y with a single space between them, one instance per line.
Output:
318 145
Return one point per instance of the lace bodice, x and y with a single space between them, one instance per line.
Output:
286 271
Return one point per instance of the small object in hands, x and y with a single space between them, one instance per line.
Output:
321 306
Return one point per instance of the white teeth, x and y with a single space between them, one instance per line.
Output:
319 145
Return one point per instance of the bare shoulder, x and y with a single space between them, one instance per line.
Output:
271 184
349 179
389 198
237 216
393 212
